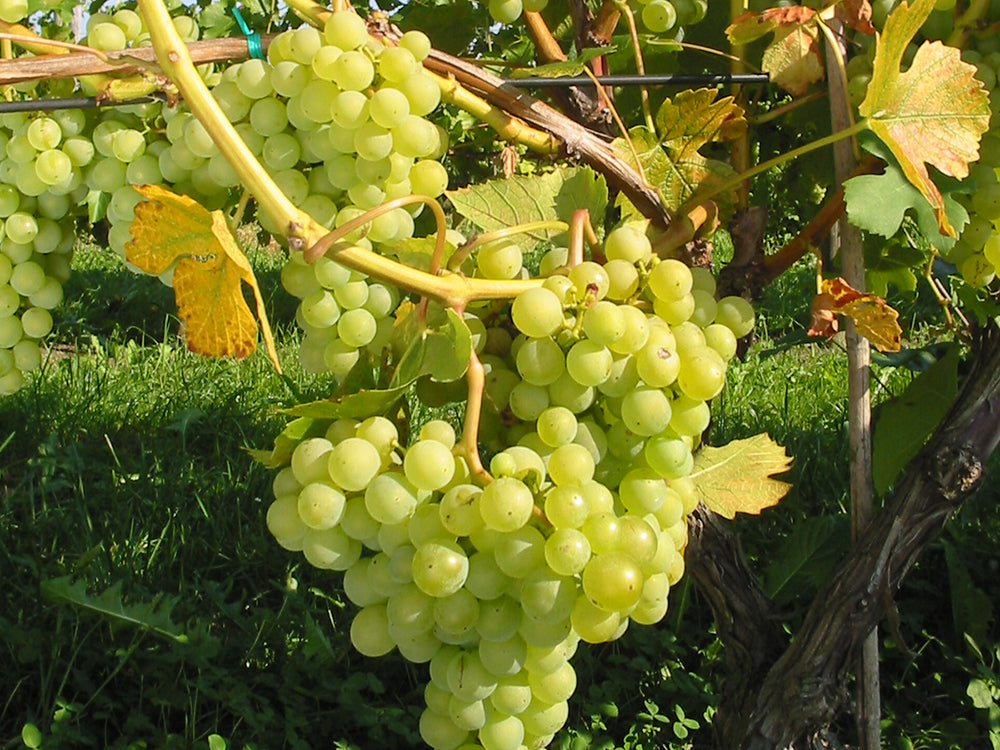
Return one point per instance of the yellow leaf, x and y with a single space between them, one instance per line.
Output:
873 317
935 113
793 57
171 230
737 478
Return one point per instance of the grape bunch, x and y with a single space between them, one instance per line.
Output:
601 374
39 188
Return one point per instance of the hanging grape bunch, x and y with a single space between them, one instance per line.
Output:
602 372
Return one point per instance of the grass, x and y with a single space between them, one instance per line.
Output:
123 463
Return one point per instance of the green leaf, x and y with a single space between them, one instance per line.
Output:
216 742
97 205
980 693
294 433
153 616
498 204
353 405
877 203
31 736
565 68
971 607
442 352
806 557
737 478
905 422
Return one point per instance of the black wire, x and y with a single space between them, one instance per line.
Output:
83 102
646 80
76 102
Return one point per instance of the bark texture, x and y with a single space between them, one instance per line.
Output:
778 697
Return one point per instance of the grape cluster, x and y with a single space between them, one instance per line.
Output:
604 372
669 16
39 187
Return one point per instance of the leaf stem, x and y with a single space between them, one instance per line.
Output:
456 261
764 166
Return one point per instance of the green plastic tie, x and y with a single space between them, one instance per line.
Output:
254 47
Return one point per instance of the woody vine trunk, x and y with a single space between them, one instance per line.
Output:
779 696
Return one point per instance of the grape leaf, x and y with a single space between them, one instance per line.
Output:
905 422
935 113
873 318
439 348
498 204
971 608
284 444
353 405
737 478
806 557
418 251
209 266
877 203
792 58
153 616
672 164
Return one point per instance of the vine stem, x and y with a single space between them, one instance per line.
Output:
468 445
764 166
301 230
640 67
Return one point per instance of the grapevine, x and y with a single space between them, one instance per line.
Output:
582 353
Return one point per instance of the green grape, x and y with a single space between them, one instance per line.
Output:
429 465
612 581
567 551
422 93
556 426
485 580
590 280
440 567
10 332
506 504
27 278
520 551
107 37
390 498
670 280
309 460
540 361
345 29
512 695
689 416
659 16
353 71
457 614
668 456
501 732
623 279
736 314
281 151
646 411
566 507
589 363
702 374
370 632
657 363
353 463
413 136
500 261
284 523
428 178
27 355
320 505
570 464
254 79
397 64
268 116
44 134
638 539
505 11
592 624
12 11
36 322
53 167
602 531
